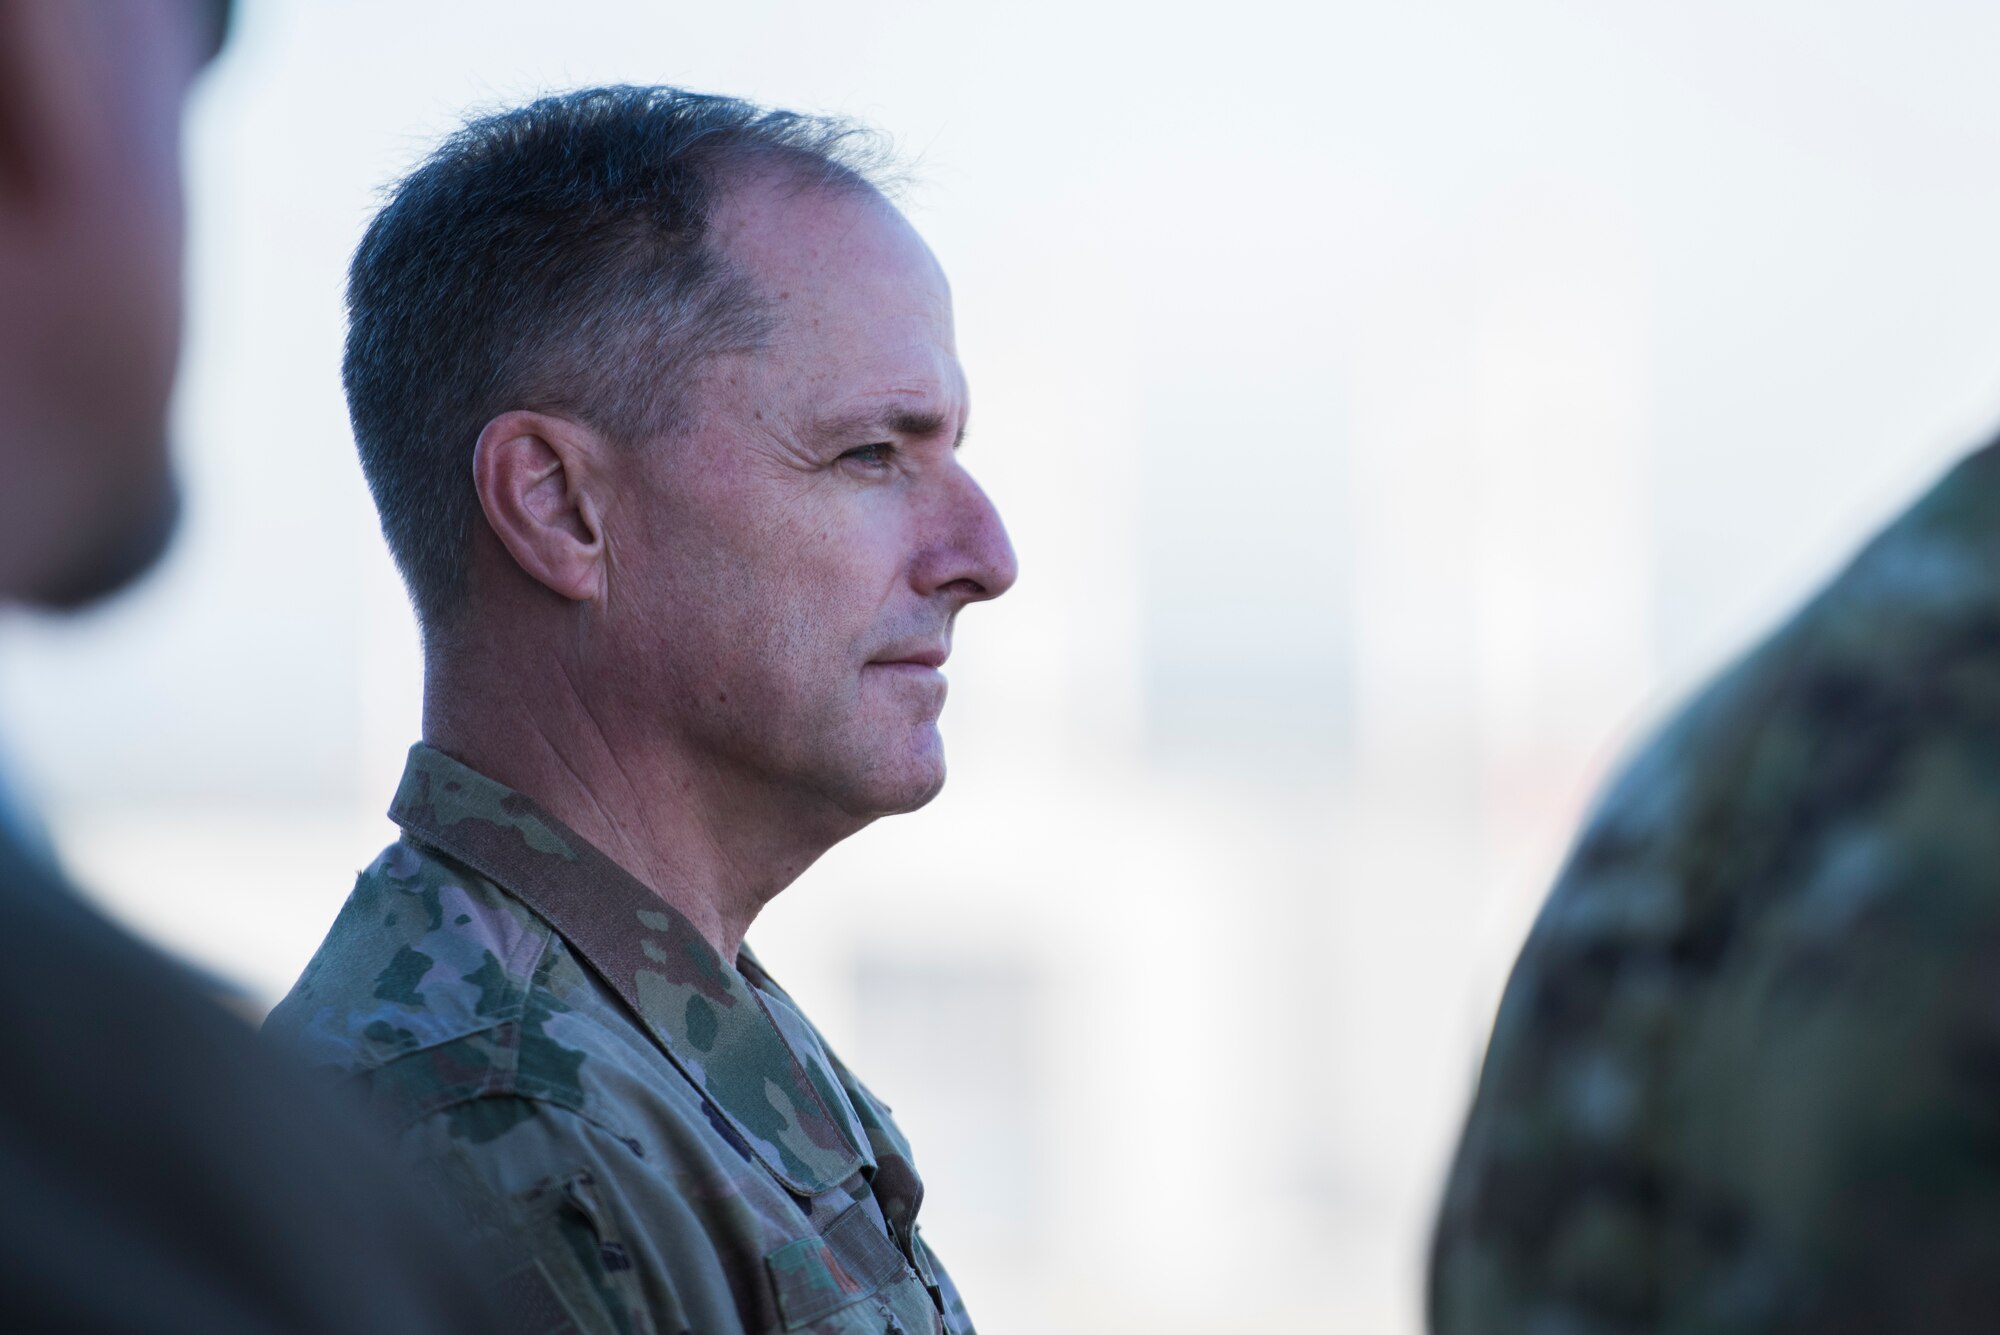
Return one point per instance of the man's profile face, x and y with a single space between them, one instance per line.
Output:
92 285
799 555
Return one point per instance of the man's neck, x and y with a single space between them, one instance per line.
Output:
709 844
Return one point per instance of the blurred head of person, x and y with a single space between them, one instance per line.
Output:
659 400
90 284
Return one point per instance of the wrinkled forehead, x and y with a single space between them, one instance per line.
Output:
860 311
829 258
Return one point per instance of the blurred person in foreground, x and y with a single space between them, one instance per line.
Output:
659 401
1746 1075
158 1172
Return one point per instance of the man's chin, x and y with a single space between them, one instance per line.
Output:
899 788
922 773
919 794
117 548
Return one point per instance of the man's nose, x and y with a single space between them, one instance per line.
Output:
968 554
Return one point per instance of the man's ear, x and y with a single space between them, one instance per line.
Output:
538 479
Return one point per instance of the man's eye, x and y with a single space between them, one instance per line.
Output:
871 456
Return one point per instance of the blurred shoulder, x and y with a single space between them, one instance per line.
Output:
1882 678
1747 1020
159 1128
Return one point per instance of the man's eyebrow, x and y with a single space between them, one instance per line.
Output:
892 421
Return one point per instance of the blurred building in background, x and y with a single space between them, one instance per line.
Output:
1395 405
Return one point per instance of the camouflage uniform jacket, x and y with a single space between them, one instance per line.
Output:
1746 1074
660 1140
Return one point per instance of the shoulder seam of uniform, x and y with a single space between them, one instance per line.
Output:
482 1076
541 1100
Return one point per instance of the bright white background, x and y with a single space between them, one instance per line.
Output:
1396 405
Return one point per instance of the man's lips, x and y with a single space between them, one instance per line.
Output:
928 657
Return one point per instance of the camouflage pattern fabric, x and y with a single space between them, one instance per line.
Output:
1746 1075
643 1137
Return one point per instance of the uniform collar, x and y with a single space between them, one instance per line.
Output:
700 1010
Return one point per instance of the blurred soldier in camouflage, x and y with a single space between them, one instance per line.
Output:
1746 1076
158 1170
660 406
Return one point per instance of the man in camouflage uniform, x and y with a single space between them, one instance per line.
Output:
659 403
1746 1076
